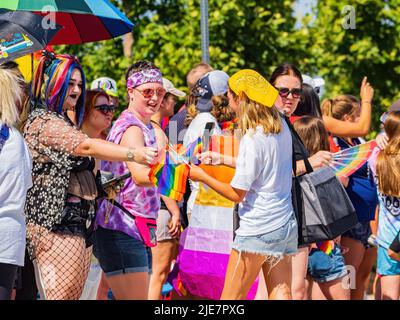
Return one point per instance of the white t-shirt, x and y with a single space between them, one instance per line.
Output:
15 180
195 130
264 170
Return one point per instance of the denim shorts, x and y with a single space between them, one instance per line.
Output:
119 253
386 266
323 268
277 243
361 232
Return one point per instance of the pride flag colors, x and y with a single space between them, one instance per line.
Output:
348 161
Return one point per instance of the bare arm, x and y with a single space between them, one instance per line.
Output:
105 150
320 159
172 205
215 158
354 129
224 189
133 138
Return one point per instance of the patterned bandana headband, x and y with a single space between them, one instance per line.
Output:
144 76
255 87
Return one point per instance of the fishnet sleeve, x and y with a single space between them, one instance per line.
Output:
58 135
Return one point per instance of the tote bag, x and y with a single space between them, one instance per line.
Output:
321 204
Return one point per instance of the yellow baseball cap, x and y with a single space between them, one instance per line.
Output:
255 87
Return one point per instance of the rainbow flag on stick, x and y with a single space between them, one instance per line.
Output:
348 161
170 176
192 150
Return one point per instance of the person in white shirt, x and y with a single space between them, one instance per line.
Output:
267 234
15 179
210 96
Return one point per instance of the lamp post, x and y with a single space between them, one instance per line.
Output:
205 56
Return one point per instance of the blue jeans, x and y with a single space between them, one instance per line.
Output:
119 253
324 268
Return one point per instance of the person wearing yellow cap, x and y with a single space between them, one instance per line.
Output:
267 234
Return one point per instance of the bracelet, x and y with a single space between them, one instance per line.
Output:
365 101
131 154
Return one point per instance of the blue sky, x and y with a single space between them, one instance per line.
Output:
303 7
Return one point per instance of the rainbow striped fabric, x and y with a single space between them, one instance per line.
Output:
348 161
326 246
170 175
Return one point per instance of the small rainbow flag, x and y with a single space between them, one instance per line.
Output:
193 149
228 125
326 246
348 161
170 175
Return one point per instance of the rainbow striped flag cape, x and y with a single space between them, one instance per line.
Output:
348 161
171 174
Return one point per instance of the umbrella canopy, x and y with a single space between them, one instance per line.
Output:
82 20
22 33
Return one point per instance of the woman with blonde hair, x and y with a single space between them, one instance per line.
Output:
267 234
15 179
388 177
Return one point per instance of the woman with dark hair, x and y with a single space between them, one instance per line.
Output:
309 104
60 205
288 81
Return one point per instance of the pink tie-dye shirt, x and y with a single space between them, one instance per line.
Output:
140 201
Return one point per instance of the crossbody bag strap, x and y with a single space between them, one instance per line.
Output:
121 207
307 164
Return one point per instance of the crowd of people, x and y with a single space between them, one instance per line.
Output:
60 143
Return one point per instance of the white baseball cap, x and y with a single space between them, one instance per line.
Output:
107 84
170 88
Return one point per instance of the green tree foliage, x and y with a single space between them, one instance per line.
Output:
260 34
344 53
253 34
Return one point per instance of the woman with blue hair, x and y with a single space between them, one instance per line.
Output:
60 206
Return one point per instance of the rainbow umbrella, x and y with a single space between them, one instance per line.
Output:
82 20
22 33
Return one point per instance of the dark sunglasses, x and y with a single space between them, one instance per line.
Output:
105 108
284 92
148 93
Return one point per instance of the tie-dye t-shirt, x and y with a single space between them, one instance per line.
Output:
140 201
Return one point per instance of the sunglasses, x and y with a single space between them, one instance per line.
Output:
148 93
284 92
105 108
